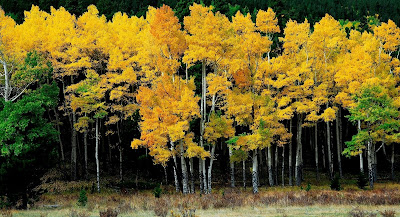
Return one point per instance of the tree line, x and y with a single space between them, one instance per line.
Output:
242 83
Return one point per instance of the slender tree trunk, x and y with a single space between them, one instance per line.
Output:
59 136
203 111
210 168
298 151
191 175
323 152
316 149
7 76
85 146
204 176
73 148
375 163
244 173
176 178
360 155
185 188
121 161
276 165
283 165
370 165
165 175
175 169
338 143
232 167
392 162
270 170
201 175
290 156
328 131
255 172
97 156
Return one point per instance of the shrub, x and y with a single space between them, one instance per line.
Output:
82 201
388 213
157 191
109 213
362 181
308 188
356 212
335 183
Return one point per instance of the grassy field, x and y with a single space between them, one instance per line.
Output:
319 200
320 210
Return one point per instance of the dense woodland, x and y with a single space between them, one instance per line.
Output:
197 96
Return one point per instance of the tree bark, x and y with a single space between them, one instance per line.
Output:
316 149
175 168
165 175
360 155
276 166
73 148
392 162
97 156
59 136
370 165
338 143
283 165
85 146
254 172
210 168
298 151
191 175
244 173
290 156
375 163
270 170
201 175
121 161
203 111
328 133
185 188
232 167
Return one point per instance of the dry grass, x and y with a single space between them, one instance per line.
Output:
384 200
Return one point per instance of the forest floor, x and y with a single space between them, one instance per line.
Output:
317 200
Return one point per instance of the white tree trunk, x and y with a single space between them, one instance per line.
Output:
316 148
276 166
185 188
338 143
290 156
191 175
298 151
370 165
175 168
283 165
361 156
270 170
97 156
328 145
255 172
210 168
232 167
73 148
244 173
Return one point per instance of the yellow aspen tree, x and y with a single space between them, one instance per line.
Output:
327 42
209 41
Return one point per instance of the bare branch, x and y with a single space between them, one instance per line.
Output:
20 93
